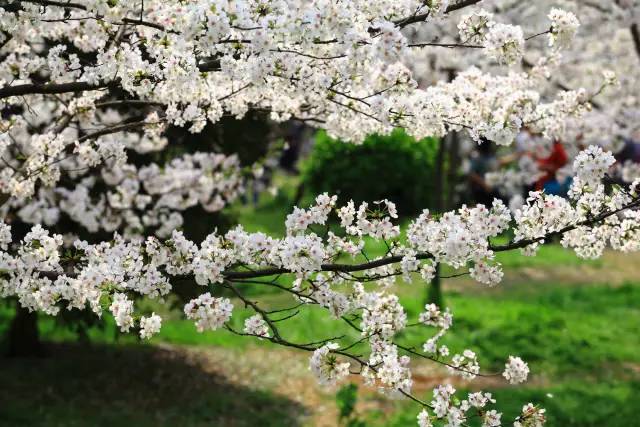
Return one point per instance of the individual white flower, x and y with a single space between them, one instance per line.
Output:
610 78
516 370
443 351
149 326
480 400
255 325
5 235
347 214
486 273
531 416
384 315
456 417
208 312
442 395
424 420
474 26
433 316
431 346
592 164
393 372
492 419
390 207
564 26
428 271
409 264
505 43
87 155
465 364
438 7
326 367
122 309
391 44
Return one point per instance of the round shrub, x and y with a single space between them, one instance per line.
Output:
395 167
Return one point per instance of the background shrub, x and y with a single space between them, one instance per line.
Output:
395 167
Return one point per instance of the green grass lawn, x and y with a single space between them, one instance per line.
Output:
581 343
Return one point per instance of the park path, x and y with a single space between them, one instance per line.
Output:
285 373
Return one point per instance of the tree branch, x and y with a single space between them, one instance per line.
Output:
421 17
51 88
635 35
598 218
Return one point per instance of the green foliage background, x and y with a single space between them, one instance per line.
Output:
396 167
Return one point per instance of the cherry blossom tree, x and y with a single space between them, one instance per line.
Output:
87 86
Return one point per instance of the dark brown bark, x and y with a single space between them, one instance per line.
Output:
453 164
49 88
421 17
438 177
635 35
434 294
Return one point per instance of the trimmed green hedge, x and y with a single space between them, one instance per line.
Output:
395 166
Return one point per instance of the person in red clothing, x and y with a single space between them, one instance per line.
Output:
556 159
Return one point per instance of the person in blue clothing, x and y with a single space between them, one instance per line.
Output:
630 152
485 161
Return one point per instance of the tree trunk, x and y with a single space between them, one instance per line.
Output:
453 164
23 338
297 198
438 201
434 295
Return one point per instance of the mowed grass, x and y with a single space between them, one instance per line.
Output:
581 342
573 403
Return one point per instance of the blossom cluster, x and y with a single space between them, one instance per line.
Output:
564 26
137 198
573 47
505 42
454 413
208 312
192 64
326 367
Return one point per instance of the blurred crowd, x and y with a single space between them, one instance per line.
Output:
533 164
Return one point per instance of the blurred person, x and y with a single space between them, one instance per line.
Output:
630 152
627 167
549 166
295 137
484 162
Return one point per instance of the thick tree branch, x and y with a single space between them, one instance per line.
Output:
51 88
213 65
232 275
421 17
635 36
65 4
239 276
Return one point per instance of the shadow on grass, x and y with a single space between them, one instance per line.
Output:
130 385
